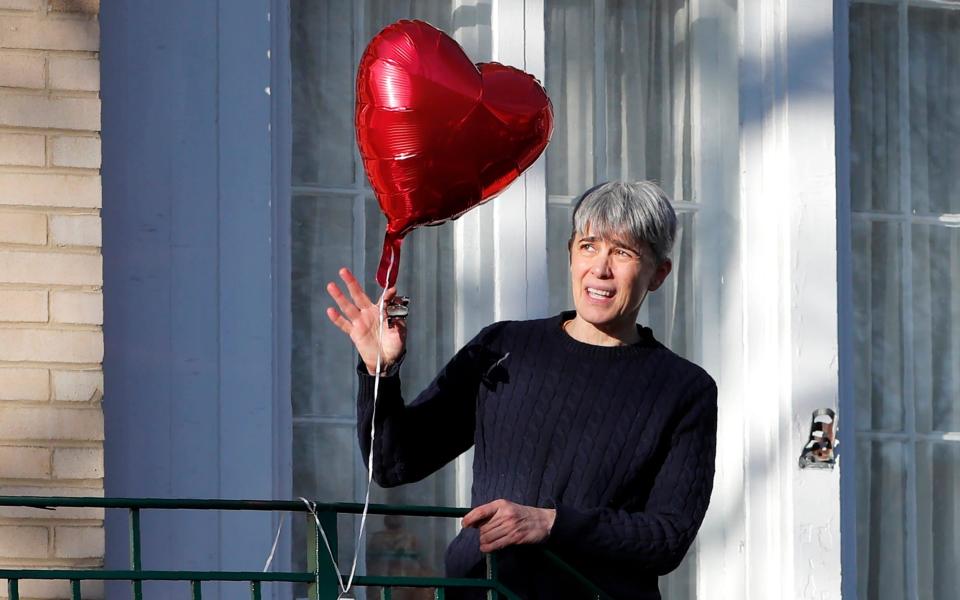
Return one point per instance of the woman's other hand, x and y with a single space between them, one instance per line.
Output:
358 317
503 523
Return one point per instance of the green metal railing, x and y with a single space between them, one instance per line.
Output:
323 580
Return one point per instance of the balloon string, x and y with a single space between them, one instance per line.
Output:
312 507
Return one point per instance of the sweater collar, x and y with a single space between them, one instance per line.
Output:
646 343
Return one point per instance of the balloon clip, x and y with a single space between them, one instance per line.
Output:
398 307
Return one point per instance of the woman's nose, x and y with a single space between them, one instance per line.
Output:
601 265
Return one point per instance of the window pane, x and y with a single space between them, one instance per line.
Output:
559 219
881 521
323 65
934 117
323 360
645 99
936 327
320 474
671 310
647 90
878 341
569 82
938 528
380 13
874 108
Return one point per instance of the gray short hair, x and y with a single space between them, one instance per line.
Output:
640 211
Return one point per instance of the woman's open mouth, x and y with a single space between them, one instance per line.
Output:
599 293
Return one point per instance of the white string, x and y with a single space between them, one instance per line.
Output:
312 507
276 540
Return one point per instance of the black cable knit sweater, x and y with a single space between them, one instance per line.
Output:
620 440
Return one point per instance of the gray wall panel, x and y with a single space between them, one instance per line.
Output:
191 307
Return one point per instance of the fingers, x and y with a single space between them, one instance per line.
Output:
491 533
348 308
480 514
389 294
502 523
339 320
360 297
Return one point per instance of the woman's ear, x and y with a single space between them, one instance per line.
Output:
663 269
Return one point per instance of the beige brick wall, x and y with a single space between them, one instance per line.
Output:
51 276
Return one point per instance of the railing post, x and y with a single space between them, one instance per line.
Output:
13 589
75 589
492 574
196 590
327 585
135 561
255 590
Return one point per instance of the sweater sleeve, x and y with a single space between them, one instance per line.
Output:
656 538
414 441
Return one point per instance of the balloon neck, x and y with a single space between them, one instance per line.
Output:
389 260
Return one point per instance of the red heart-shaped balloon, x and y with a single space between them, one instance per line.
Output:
438 134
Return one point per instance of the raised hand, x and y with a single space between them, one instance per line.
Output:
358 317
503 523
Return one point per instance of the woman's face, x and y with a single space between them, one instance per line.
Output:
610 279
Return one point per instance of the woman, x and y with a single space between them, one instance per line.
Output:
591 438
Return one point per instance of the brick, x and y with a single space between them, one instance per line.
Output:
27 110
50 268
49 34
90 7
19 4
17 541
64 513
25 306
69 73
77 307
50 189
51 589
75 230
77 386
81 152
19 149
78 542
78 463
48 345
24 463
24 384
23 228
21 71
51 423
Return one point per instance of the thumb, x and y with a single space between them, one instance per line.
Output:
389 294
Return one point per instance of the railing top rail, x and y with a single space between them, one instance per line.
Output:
137 575
45 502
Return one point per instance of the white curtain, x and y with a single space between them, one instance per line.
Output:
906 257
631 123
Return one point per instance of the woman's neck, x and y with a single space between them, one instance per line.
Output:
615 335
